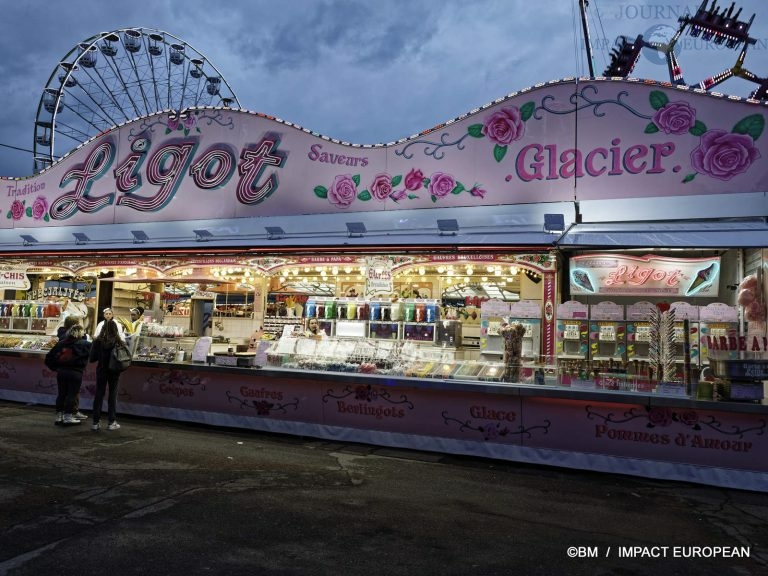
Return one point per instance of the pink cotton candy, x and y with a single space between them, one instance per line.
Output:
746 297
749 283
755 312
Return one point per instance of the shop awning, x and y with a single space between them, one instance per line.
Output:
726 233
736 220
513 225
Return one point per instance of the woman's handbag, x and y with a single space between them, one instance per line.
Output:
120 359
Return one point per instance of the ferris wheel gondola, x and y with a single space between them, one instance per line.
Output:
117 76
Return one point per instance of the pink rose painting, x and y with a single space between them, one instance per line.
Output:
182 122
659 416
441 184
414 180
503 127
720 154
723 155
343 191
675 118
381 187
38 210
17 210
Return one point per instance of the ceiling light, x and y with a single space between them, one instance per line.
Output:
202 235
356 229
554 223
274 232
448 227
139 236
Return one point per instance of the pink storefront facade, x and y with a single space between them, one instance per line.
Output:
628 169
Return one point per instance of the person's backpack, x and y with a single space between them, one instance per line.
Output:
120 359
58 356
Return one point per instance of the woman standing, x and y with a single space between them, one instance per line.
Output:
108 337
61 334
69 371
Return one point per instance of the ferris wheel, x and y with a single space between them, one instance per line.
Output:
117 76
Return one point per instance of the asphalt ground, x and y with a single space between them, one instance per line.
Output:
168 498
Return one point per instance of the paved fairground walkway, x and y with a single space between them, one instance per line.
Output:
172 499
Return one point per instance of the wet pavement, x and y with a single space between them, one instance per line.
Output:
158 497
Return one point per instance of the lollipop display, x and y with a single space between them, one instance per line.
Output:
512 335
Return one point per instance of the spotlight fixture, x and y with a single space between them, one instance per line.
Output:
274 232
355 229
139 236
80 238
554 223
29 240
448 227
202 235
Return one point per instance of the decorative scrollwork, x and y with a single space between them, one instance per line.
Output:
368 394
263 407
434 149
662 417
495 430
588 102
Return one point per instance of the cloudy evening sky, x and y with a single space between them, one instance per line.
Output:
363 71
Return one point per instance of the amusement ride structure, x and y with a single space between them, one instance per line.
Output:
115 77
719 26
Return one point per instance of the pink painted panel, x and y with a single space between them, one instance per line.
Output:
31 375
683 435
246 395
634 141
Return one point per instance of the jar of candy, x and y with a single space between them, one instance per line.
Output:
421 312
375 311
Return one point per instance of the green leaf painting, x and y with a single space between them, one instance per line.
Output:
751 125
698 128
527 110
651 128
476 130
658 99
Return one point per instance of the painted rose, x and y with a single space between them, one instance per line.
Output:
365 393
17 209
381 187
660 416
343 191
398 195
505 126
477 191
189 121
39 208
491 432
263 408
675 118
414 180
689 417
723 155
441 184
173 123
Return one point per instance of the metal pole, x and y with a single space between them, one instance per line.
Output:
583 9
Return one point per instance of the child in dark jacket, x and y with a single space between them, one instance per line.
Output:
69 373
